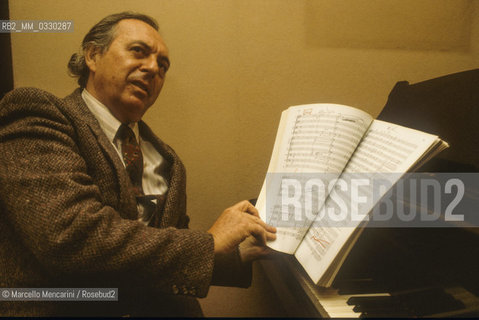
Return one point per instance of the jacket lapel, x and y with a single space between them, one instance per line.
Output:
126 202
175 203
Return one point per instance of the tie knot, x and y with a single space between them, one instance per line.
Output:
126 134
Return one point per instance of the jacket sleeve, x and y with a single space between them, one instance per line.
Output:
54 207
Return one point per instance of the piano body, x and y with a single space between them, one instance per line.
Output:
406 272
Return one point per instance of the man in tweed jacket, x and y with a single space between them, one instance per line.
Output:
68 217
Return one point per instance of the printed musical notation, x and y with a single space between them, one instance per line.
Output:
344 149
381 150
322 140
317 140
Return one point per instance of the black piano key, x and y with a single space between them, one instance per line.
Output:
358 286
387 314
367 299
371 303
416 302
378 306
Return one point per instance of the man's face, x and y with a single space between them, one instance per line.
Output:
129 75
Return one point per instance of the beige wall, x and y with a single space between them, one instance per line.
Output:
236 64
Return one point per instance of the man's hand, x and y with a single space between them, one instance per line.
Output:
250 249
238 223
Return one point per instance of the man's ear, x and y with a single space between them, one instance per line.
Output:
91 57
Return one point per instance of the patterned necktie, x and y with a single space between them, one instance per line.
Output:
132 157
148 205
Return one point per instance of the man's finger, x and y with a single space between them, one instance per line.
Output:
247 207
252 209
259 233
266 226
270 236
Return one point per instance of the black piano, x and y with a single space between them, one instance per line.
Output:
406 272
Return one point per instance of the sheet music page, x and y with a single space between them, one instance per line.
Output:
315 138
386 152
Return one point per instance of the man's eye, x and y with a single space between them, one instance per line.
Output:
163 69
138 49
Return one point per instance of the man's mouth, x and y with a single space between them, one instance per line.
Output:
140 84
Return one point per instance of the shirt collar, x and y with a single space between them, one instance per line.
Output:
107 120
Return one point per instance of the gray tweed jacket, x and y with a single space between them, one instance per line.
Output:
68 219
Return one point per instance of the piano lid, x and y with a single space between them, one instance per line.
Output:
447 106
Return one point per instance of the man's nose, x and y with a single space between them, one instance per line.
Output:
150 66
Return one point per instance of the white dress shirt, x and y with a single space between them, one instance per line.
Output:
154 165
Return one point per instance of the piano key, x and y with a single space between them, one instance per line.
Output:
336 305
386 314
407 303
358 286
361 304
415 302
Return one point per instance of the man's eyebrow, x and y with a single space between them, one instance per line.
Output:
142 43
139 42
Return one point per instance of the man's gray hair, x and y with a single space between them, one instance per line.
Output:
100 37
